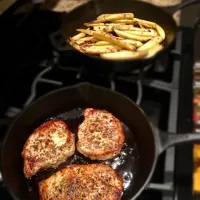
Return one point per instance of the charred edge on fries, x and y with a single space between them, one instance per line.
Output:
112 39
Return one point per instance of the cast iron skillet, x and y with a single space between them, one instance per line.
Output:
139 155
91 10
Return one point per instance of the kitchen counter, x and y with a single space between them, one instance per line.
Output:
5 4
69 5
62 5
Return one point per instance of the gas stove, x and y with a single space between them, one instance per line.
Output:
163 90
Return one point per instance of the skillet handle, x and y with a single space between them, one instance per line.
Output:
59 43
167 140
173 9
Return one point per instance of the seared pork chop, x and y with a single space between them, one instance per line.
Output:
82 182
100 136
48 146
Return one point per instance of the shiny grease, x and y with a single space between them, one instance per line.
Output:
126 163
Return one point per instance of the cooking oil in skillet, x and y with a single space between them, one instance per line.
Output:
126 163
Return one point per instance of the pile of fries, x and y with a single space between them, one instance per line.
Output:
119 37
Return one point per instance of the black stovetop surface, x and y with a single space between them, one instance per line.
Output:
166 99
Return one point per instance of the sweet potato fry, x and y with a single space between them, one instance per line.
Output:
123 55
126 35
112 39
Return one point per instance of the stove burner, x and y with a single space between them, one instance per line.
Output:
39 78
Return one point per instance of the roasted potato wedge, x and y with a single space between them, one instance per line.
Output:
154 50
78 36
101 49
142 33
86 31
127 35
112 39
114 24
145 23
108 29
85 39
103 28
113 17
160 31
124 55
93 24
99 28
119 36
126 21
102 16
102 43
151 43
76 46
122 27
154 31
134 42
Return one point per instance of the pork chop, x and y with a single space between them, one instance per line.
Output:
47 147
82 182
100 136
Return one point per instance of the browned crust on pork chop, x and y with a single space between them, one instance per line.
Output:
47 147
82 182
100 136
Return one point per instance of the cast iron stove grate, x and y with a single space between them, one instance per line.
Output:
159 90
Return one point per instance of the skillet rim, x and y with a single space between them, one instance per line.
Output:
76 86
